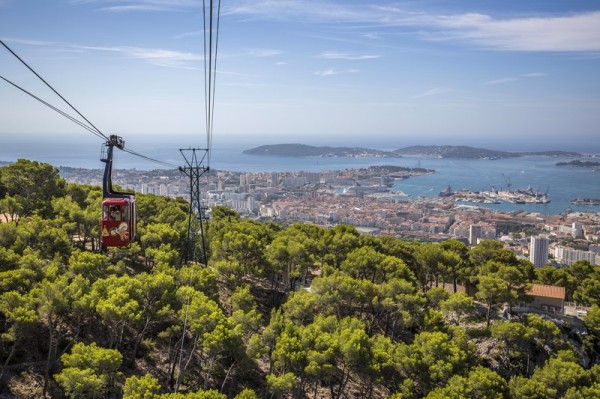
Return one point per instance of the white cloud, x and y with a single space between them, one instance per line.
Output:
514 78
245 85
333 55
534 75
372 36
331 72
557 34
263 52
567 33
159 57
29 42
570 32
327 72
322 11
500 81
590 56
188 34
432 92
140 5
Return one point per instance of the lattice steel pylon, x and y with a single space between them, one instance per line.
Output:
195 168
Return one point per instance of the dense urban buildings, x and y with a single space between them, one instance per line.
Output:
364 198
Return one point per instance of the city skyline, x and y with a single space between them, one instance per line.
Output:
345 72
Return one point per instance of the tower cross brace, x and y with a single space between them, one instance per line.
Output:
195 159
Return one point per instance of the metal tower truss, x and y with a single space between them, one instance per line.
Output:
196 166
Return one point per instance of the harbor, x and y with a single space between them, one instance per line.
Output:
519 196
585 201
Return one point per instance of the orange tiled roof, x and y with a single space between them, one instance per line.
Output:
547 291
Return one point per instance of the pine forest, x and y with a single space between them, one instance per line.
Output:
278 311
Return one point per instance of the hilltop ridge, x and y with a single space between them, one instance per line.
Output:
436 151
466 152
303 150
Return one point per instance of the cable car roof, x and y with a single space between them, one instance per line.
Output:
117 201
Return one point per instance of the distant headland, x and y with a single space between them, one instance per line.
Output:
466 152
435 151
581 164
302 150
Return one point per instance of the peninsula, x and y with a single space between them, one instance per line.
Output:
466 152
581 164
430 151
302 150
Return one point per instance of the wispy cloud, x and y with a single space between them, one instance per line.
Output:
499 81
534 75
28 42
331 72
188 34
245 75
160 57
570 32
514 78
263 52
140 5
334 55
155 56
590 56
324 11
245 85
432 92
372 36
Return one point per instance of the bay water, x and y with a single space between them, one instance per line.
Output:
538 172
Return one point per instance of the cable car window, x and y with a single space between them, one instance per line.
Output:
115 213
125 212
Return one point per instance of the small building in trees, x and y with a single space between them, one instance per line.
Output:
549 298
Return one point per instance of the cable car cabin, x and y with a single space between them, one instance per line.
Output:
118 221
117 228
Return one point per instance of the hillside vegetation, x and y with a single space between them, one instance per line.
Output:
293 311
466 152
436 151
302 150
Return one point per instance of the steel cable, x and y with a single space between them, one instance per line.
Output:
52 88
75 120
90 127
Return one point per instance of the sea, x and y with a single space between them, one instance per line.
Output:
540 173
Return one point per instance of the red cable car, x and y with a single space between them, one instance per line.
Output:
118 227
118 221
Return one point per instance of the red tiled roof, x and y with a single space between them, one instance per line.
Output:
547 291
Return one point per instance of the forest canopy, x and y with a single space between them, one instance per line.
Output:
277 311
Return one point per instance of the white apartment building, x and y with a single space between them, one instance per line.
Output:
595 248
474 234
568 256
539 251
294 181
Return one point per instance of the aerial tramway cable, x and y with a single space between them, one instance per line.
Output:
127 150
125 201
90 127
52 107
210 70
52 88
197 166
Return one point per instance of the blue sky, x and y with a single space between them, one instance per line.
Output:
509 74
